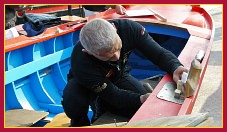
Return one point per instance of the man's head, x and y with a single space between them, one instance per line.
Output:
100 39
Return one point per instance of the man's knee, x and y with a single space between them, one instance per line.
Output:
74 94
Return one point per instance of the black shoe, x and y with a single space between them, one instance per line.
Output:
84 121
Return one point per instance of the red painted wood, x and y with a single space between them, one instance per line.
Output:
50 9
23 41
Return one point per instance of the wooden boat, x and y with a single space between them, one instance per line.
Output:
36 67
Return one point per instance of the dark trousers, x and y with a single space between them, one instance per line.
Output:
76 99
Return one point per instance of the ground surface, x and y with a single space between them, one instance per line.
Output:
210 95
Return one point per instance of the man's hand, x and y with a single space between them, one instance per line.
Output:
144 97
120 9
178 72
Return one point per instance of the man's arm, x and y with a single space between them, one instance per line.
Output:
122 99
163 58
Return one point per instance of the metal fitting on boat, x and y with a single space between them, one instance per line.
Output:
193 78
200 55
178 92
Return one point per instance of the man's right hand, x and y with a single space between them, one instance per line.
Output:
144 97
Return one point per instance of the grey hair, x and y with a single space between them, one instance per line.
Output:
98 36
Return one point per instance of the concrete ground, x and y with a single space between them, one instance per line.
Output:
210 98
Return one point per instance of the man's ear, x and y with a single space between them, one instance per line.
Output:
114 26
85 51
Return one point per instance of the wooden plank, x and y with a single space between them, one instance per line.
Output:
110 118
60 120
172 121
117 124
71 18
207 122
164 19
23 117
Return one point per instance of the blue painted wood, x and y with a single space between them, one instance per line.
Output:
48 46
167 30
34 74
42 49
39 90
58 77
68 40
52 108
64 67
19 95
29 68
46 80
76 37
18 57
11 99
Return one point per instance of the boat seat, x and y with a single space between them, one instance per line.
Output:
23 117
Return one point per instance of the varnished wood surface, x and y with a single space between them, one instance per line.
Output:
23 117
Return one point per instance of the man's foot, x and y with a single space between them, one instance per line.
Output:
84 121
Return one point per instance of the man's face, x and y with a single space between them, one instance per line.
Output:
114 55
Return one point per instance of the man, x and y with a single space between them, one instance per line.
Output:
98 69
11 17
10 22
